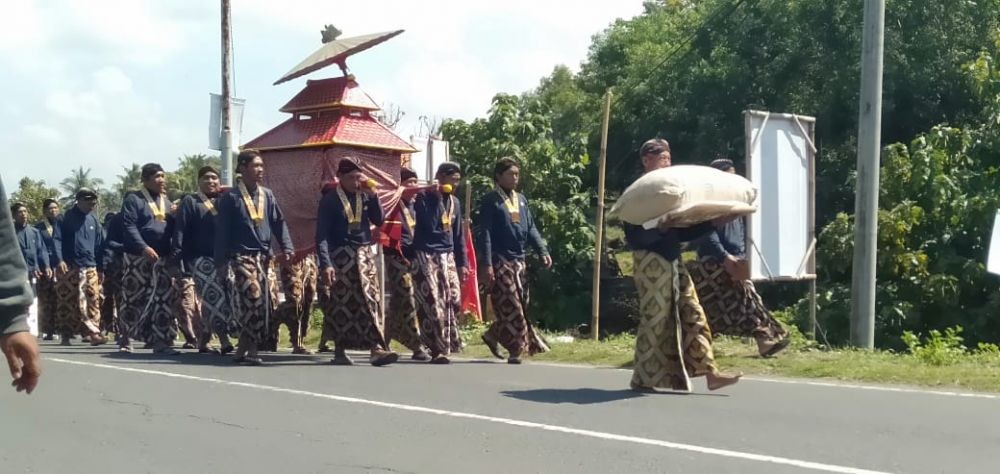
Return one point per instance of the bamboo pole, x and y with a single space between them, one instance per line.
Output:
595 311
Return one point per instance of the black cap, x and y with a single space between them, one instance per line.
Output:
654 147
48 202
448 168
348 165
407 173
85 194
207 169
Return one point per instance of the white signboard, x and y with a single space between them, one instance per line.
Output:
781 162
425 162
215 122
993 261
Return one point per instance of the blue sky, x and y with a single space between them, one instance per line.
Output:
104 83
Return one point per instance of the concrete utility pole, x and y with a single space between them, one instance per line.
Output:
869 151
226 154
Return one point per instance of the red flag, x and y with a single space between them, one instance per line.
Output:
470 287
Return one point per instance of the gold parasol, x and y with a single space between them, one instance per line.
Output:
336 52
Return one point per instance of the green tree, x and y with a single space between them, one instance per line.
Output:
79 178
31 193
185 179
521 128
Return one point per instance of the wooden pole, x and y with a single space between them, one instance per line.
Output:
595 311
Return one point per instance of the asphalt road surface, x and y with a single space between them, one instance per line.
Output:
98 411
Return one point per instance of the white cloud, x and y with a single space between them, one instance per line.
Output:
75 105
43 135
105 83
112 80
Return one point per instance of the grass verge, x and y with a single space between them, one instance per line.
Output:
974 371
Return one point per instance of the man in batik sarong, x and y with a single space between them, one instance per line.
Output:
673 341
147 289
401 322
347 260
298 280
506 228
111 257
730 300
441 264
80 271
194 244
46 288
249 217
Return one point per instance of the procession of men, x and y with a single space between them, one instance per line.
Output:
220 264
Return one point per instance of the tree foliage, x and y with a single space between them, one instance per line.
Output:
686 70
31 193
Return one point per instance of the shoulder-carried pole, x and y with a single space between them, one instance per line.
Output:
595 311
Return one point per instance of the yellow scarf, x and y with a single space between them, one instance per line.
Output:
512 203
208 203
159 209
256 212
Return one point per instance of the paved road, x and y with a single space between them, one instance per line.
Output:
97 411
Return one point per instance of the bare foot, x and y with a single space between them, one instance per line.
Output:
717 381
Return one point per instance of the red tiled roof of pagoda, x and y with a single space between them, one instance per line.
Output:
332 129
330 93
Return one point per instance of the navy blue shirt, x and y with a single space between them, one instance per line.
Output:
236 232
430 235
114 238
81 239
50 232
36 255
406 232
501 237
332 229
665 243
194 230
729 240
141 229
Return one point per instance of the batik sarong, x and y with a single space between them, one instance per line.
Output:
401 314
146 296
111 304
509 295
187 310
78 302
354 316
48 299
252 298
438 302
298 284
673 341
216 310
732 307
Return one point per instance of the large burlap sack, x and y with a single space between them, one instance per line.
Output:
685 195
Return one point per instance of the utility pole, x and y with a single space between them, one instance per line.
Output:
226 154
595 310
869 151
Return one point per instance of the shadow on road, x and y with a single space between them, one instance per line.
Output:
578 396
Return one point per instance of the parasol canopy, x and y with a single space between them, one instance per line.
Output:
336 52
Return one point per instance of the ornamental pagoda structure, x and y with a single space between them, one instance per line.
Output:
330 119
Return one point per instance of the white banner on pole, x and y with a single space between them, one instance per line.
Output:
215 122
993 261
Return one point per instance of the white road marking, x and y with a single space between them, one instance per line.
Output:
492 419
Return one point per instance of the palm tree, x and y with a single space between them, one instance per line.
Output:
79 178
130 180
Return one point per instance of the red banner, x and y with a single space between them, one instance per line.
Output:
470 287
